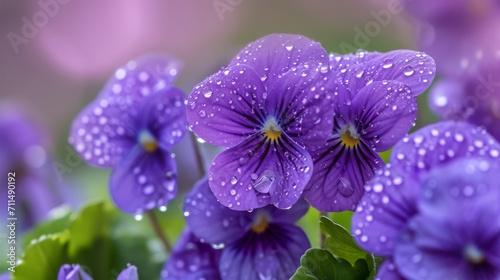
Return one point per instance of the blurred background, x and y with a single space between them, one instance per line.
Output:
57 54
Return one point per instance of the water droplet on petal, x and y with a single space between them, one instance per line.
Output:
408 71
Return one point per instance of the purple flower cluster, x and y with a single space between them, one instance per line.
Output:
299 121
262 244
433 211
131 126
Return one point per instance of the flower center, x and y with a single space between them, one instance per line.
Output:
349 136
474 255
271 129
148 141
260 222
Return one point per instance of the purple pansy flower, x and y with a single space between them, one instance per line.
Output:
262 244
270 106
23 152
391 197
456 234
192 260
74 272
376 106
131 126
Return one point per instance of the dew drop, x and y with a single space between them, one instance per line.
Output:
387 63
207 92
408 71
203 114
234 180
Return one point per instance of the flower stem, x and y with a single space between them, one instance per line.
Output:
199 157
322 236
159 232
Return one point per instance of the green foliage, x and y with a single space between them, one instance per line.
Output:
57 224
342 258
320 264
91 240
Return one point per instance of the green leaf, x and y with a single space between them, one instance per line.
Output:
320 264
43 258
341 243
93 223
57 224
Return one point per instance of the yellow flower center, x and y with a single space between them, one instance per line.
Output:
260 222
148 141
349 136
271 129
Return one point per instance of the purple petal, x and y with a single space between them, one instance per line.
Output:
339 175
385 112
388 203
276 54
260 171
7 276
72 272
297 211
130 273
439 143
414 69
210 220
227 107
388 271
103 132
192 260
274 254
302 104
142 76
106 129
164 115
339 62
142 181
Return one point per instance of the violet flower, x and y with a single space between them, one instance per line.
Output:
271 107
376 106
262 244
131 126
24 153
392 198
192 260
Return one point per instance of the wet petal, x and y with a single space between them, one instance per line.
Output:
164 115
291 215
227 107
274 254
442 142
260 171
143 181
210 220
103 132
340 173
414 69
384 113
388 271
192 260
302 102
340 62
274 55
106 128
130 273
385 208
142 76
